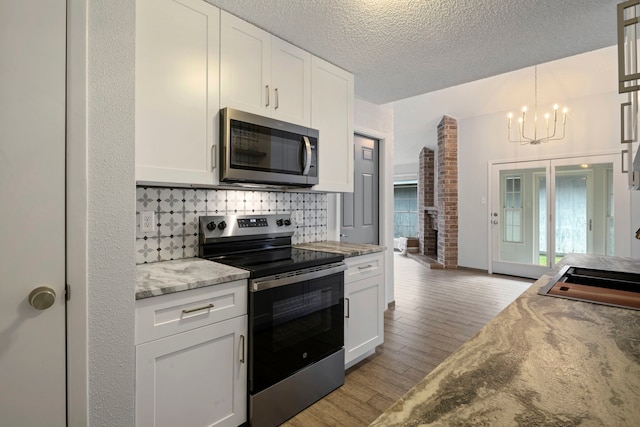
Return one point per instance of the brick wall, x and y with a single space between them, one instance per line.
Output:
447 190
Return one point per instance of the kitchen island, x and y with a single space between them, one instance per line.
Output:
541 361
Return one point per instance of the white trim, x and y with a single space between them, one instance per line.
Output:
77 316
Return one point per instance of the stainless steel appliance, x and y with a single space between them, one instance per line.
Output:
296 312
256 149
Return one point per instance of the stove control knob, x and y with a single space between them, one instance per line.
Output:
287 221
279 222
211 226
222 225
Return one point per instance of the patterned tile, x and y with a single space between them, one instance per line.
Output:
147 199
216 202
190 246
191 223
235 202
171 200
194 201
171 224
171 248
147 250
297 201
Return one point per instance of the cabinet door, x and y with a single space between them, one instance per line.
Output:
195 378
364 318
245 66
332 115
177 97
291 82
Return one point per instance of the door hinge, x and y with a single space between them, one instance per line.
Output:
67 292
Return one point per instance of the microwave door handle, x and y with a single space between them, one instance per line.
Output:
307 158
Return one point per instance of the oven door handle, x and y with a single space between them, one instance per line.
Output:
269 282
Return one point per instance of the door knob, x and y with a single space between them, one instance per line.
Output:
495 221
42 297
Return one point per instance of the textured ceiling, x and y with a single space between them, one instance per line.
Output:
401 48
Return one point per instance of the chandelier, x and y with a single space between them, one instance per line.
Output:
550 128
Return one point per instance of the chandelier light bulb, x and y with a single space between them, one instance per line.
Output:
546 116
510 115
555 106
564 110
524 109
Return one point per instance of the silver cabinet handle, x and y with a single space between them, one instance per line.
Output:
365 267
267 104
206 307
242 352
277 98
307 158
348 308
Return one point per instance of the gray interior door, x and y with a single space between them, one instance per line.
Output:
359 217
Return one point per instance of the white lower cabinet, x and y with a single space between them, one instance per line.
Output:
364 307
198 376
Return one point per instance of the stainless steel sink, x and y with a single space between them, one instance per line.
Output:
614 288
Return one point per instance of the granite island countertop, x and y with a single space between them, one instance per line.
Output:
346 249
165 277
542 361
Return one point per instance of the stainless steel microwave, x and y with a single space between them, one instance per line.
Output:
261 150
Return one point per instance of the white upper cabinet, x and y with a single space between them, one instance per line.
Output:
262 74
332 114
177 91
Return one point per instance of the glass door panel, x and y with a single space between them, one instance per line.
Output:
518 214
584 208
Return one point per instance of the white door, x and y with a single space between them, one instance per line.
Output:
543 210
32 212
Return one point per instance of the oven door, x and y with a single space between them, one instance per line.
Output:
293 326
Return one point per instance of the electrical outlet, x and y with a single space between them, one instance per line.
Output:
299 217
147 221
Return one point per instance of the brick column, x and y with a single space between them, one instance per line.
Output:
447 202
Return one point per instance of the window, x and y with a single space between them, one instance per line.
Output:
405 210
512 209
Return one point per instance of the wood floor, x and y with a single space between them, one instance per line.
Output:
435 312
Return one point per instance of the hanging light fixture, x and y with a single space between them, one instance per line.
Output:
550 131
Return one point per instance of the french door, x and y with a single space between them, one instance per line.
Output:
543 210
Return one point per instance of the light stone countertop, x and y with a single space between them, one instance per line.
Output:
166 277
541 361
346 249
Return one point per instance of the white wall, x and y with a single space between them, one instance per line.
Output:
586 83
102 169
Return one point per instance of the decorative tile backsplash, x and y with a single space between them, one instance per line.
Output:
177 211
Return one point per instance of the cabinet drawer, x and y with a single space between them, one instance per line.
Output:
165 315
364 266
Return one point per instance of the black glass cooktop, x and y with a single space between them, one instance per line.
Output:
262 263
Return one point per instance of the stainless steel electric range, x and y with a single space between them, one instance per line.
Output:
296 312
